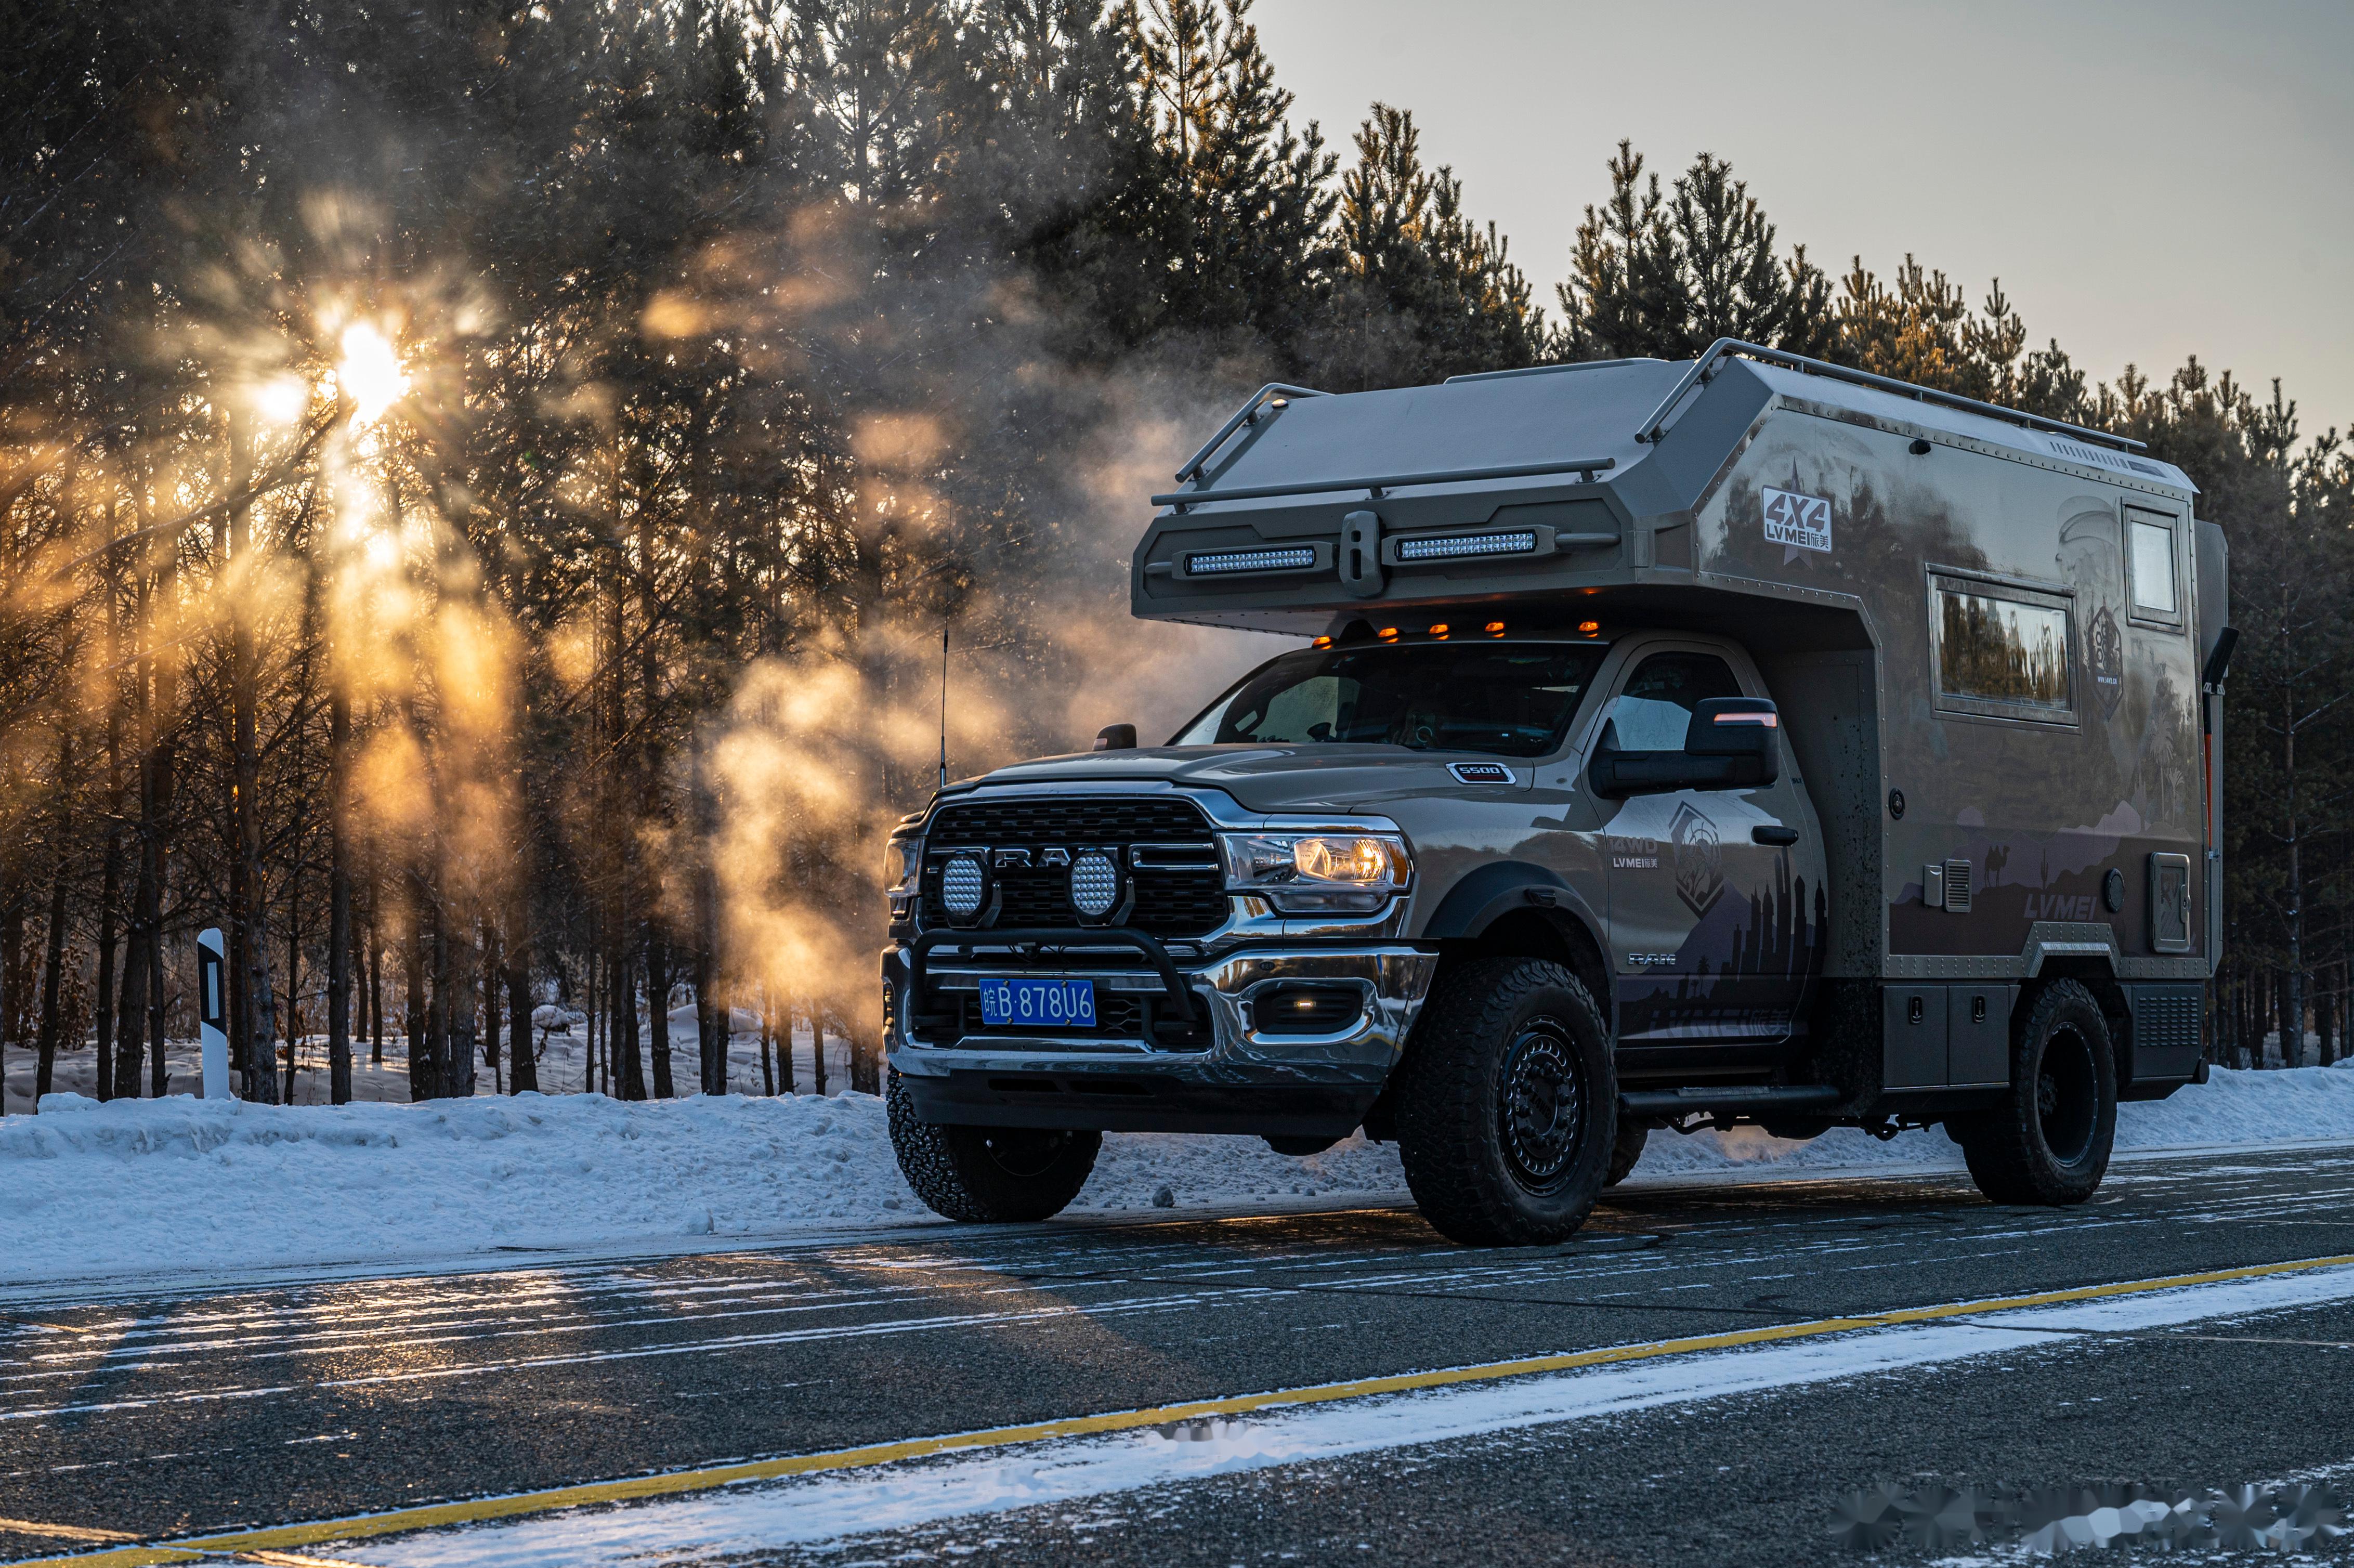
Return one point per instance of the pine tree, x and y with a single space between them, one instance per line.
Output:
1425 292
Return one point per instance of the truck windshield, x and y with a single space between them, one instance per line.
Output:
1511 699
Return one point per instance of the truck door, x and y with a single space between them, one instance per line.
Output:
1711 928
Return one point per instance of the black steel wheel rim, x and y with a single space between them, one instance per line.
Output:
1541 1108
1025 1151
2067 1096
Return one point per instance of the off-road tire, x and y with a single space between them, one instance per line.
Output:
1624 1150
2049 1140
988 1174
1500 1035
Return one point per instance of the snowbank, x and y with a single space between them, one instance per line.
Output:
183 1186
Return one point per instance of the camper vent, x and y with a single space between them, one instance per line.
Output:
1518 542
1211 563
1957 886
2101 458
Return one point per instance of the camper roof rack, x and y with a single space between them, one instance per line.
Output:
1247 413
1588 467
1723 346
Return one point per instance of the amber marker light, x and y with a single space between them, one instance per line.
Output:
1589 626
1495 629
1387 634
1439 630
1321 642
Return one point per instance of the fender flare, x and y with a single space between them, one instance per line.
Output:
1488 893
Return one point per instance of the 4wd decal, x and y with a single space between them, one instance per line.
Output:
1699 859
1797 522
2105 658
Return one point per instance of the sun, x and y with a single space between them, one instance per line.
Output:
370 373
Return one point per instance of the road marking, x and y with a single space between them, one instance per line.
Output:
62 1532
673 1483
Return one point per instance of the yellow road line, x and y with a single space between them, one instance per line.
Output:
475 1510
62 1531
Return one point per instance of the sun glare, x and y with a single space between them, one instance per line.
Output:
282 399
370 373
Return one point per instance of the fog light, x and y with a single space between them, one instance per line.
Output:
963 885
1094 884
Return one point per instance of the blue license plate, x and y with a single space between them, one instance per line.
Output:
1038 1003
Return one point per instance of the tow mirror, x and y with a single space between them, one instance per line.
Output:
1731 743
1744 730
1116 738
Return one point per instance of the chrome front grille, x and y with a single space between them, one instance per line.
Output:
1164 845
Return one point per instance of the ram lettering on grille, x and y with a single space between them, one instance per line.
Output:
1165 845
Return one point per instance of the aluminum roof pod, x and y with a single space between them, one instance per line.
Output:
1519 490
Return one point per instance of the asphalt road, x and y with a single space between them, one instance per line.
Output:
182 1413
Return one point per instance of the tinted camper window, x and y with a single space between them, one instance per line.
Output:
2000 656
2150 549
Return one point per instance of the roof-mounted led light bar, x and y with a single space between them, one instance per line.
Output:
1209 562
1511 541
1230 563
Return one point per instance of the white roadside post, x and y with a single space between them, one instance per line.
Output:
212 1012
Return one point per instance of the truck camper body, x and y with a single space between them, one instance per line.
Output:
1848 745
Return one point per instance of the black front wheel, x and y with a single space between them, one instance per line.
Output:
1507 1104
1626 1150
984 1174
2049 1140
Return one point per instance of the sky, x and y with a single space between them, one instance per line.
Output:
2149 181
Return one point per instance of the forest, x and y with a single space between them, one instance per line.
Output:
487 489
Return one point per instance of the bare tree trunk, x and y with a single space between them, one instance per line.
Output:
339 893
293 973
492 975
524 1077
110 888
374 962
422 1083
254 1014
767 1043
13 977
459 987
109 893
159 1066
128 1044
629 1065
658 988
45 1042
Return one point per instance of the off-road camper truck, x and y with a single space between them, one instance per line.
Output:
1749 740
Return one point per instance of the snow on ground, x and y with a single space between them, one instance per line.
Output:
181 1186
562 1057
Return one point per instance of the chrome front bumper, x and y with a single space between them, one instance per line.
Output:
1395 980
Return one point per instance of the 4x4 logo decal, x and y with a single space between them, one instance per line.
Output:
1797 522
1699 858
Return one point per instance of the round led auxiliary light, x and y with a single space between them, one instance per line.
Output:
1094 884
963 885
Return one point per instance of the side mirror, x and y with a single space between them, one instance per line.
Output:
1731 743
1116 738
1746 731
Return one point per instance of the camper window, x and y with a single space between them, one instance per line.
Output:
2000 657
2151 565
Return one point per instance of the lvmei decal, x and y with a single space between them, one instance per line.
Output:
1798 522
2104 656
1699 859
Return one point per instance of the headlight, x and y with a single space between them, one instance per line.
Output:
903 866
1304 874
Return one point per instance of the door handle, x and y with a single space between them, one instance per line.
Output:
1774 835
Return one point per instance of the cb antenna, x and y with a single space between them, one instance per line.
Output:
944 705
